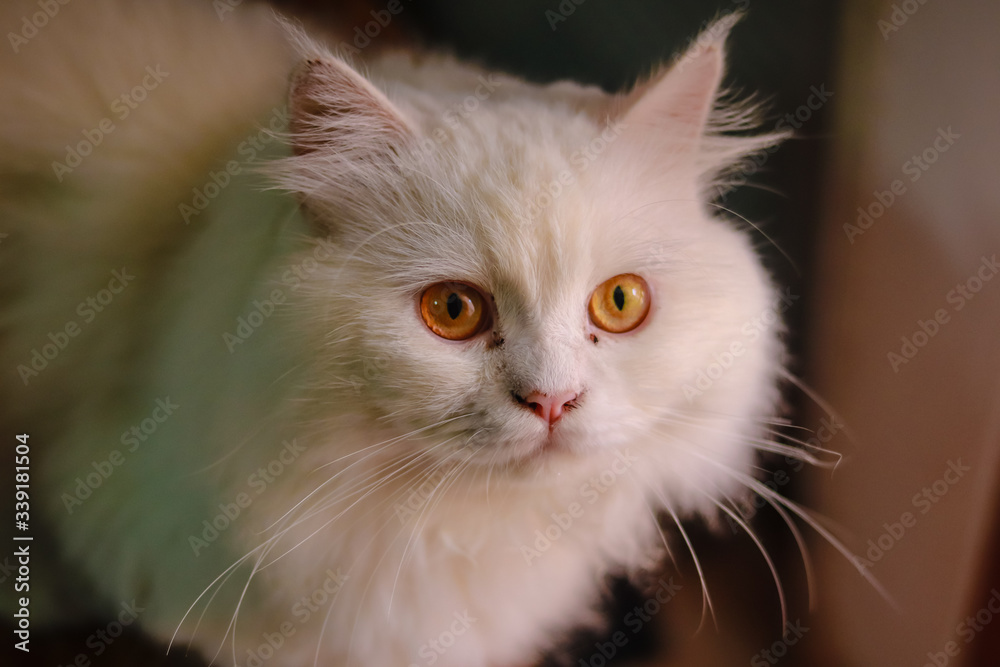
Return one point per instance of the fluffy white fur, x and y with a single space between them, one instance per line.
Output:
398 190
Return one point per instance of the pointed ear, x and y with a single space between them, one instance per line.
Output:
333 108
676 103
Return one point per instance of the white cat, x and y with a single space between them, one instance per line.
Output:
410 406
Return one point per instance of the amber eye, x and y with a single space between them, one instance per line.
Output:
453 310
620 304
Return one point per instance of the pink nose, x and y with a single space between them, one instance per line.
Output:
549 407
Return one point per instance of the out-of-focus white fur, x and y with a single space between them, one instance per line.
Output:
420 484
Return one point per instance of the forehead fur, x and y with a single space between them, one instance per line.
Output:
427 170
528 180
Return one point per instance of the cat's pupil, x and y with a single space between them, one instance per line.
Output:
454 304
619 297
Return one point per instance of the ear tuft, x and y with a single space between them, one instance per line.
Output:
347 138
332 107
679 115
680 99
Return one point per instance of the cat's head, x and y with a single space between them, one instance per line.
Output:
527 274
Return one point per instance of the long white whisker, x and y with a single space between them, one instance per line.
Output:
837 544
224 575
706 599
760 546
761 444
425 511
386 552
381 483
380 445
659 530
789 377
762 233
799 511
803 550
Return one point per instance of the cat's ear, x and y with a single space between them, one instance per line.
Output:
347 138
333 108
676 103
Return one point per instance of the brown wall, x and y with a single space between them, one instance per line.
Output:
904 90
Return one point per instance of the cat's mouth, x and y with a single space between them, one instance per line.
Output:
522 451
549 448
507 441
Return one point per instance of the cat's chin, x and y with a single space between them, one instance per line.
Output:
550 449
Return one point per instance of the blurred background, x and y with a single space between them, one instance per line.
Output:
883 217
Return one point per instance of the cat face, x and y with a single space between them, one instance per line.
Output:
541 281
